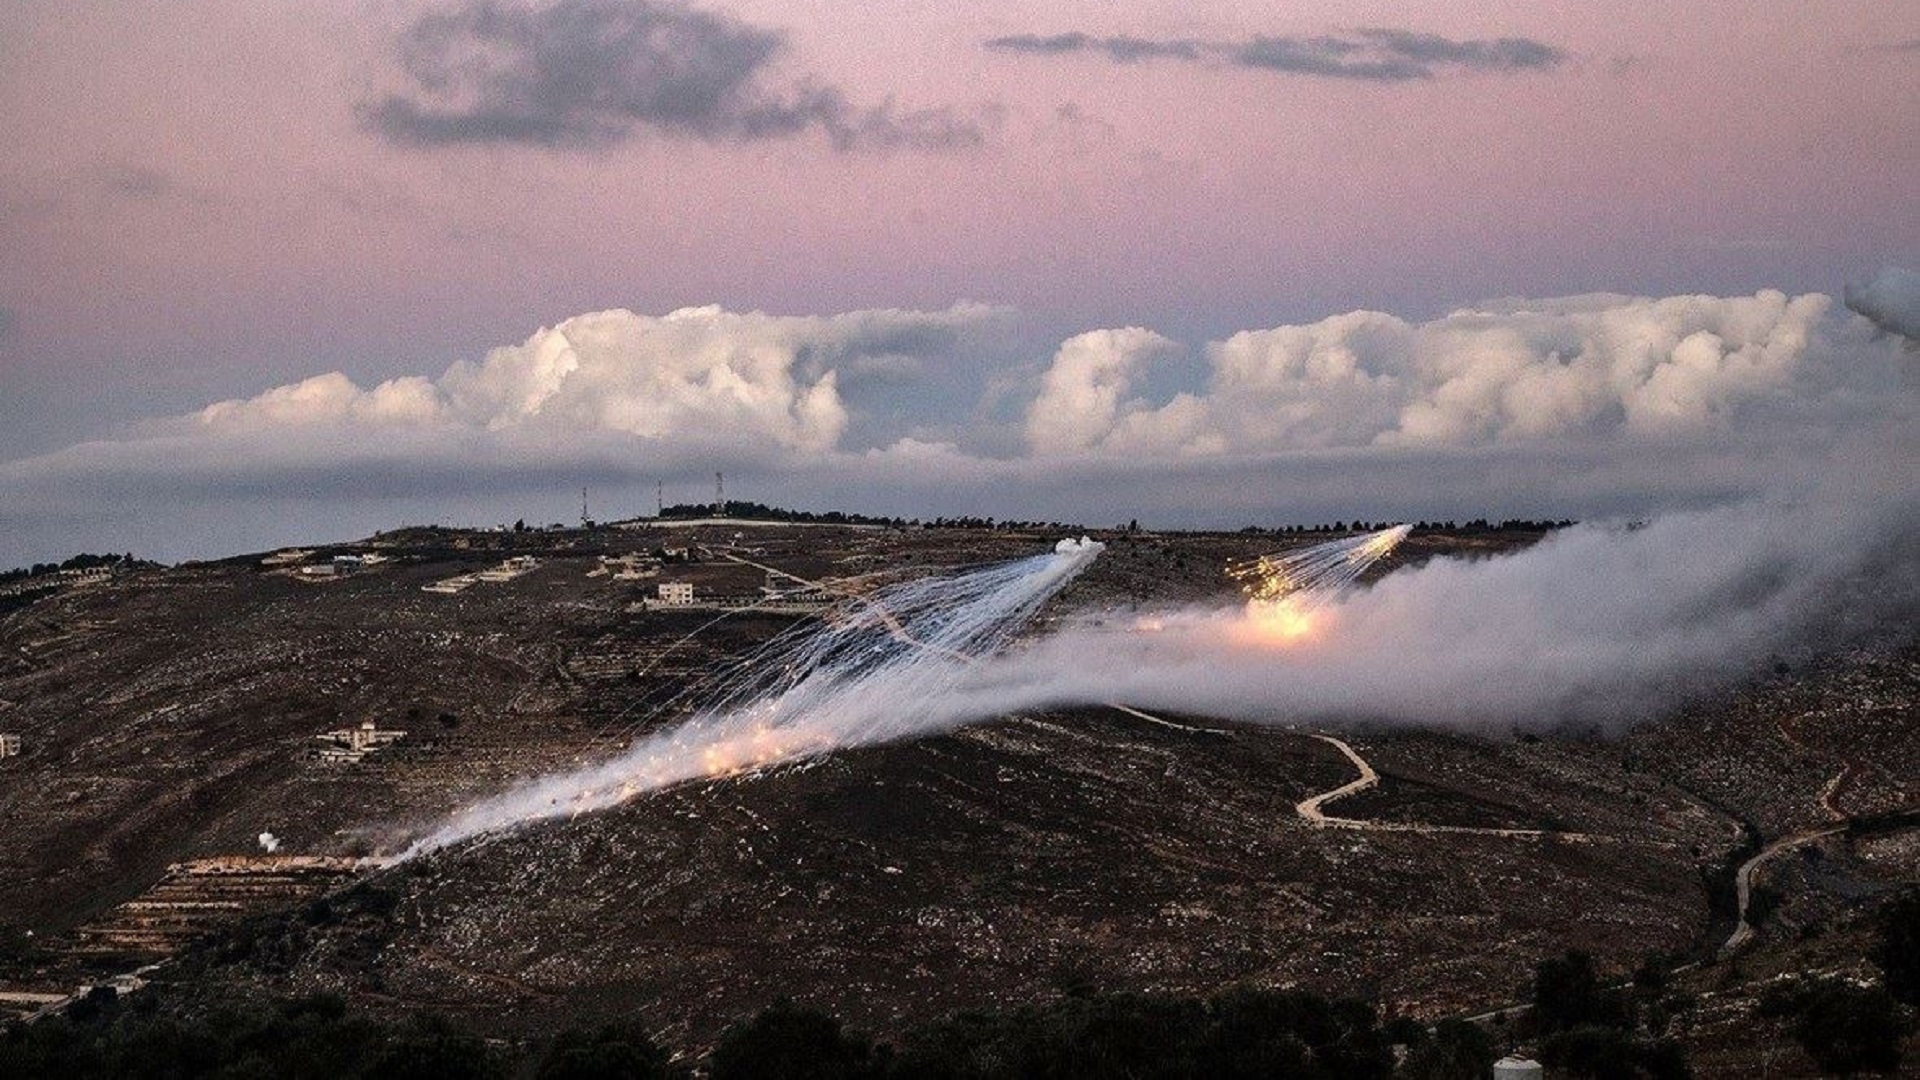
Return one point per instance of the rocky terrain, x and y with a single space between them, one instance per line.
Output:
172 715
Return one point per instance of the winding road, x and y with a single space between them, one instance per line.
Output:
1744 930
1310 809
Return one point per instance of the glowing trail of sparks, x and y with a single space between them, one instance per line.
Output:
879 668
1286 590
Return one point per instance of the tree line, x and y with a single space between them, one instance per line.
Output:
1578 1025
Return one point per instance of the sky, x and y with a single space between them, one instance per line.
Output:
272 269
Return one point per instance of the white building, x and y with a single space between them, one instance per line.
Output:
676 593
9 746
510 569
352 744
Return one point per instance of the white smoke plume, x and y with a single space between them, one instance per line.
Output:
1600 625
885 668
1596 625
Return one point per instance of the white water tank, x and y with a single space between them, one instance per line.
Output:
1517 1068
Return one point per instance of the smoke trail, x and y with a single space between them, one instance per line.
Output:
886 667
1593 625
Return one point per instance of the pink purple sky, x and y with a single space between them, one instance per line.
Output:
204 200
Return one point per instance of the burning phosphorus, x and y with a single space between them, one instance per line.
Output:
883 667
1285 591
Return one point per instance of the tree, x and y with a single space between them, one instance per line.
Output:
1845 1028
1608 1053
612 1053
789 1042
1896 949
1567 993
1457 1050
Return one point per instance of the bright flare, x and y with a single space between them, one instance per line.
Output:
885 667
1283 621
1285 591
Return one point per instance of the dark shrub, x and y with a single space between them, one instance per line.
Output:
787 1042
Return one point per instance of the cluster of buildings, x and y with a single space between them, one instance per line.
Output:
341 566
349 745
294 561
630 567
506 571
88 575
680 594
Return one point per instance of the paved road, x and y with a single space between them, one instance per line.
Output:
1743 880
1310 809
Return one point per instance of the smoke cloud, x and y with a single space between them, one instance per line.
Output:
1594 626
883 668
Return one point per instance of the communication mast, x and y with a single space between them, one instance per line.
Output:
719 494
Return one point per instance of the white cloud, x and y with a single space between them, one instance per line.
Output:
1564 408
1080 401
1506 373
753 381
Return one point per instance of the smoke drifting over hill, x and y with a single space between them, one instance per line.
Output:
1595 625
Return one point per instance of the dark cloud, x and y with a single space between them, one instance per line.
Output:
582 73
1119 49
1335 58
1433 51
1890 300
136 181
1375 54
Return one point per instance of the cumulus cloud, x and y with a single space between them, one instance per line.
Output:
1570 407
1372 54
1514 372
1081 395
705 375
1890 300
574 73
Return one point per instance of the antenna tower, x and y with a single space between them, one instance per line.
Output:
719 494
